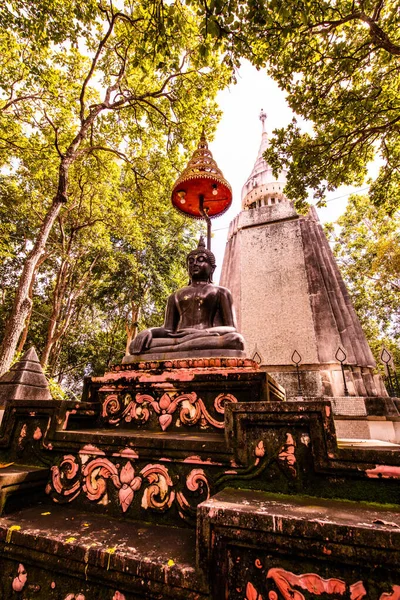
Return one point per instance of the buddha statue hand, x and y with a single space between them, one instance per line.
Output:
146 339
141 342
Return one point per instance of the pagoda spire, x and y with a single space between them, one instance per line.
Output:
261 187
263 117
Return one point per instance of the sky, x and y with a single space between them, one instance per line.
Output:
237 140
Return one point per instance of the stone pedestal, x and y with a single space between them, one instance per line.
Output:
193 480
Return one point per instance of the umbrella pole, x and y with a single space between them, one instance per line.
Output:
204 212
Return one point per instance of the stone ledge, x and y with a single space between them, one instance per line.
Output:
267 532
181 360
133 558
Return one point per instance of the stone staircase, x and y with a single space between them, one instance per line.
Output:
151 441
123 496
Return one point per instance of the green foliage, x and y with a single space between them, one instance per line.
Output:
367 248
57 392
338 63
100 106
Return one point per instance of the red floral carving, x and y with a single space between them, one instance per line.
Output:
127 473
287 455
221 399
22 435
259 452
315 585
251 592
196 480
125 495
111 405
192 408
309 581
158 494
394 595
384 471
20 580
95 473
130 484
114 412
60 477
37 435
190 412
165 421
357 591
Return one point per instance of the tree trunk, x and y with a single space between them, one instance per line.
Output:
24 335
22 302
64 305
25 331
58 294
132 327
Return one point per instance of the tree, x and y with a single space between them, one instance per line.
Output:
93 79
339 64
112 242
367 248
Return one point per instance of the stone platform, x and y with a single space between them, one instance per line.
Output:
168 462
367 418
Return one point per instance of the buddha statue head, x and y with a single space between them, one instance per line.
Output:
201 263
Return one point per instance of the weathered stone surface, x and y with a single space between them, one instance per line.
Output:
282 274
25 380
128 467
66 553
366 418
21 485
257 546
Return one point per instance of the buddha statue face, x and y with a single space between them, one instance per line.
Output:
201 263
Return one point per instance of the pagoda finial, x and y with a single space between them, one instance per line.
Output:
263 116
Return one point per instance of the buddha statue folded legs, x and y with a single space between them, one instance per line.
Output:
199 318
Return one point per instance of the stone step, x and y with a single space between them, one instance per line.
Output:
55 551
264 543
177 446
22 485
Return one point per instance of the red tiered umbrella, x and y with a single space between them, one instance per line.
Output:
202 192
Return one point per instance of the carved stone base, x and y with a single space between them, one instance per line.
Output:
130 359
148 451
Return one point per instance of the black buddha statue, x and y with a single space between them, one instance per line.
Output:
199 318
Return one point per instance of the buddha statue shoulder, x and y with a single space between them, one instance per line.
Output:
199 318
